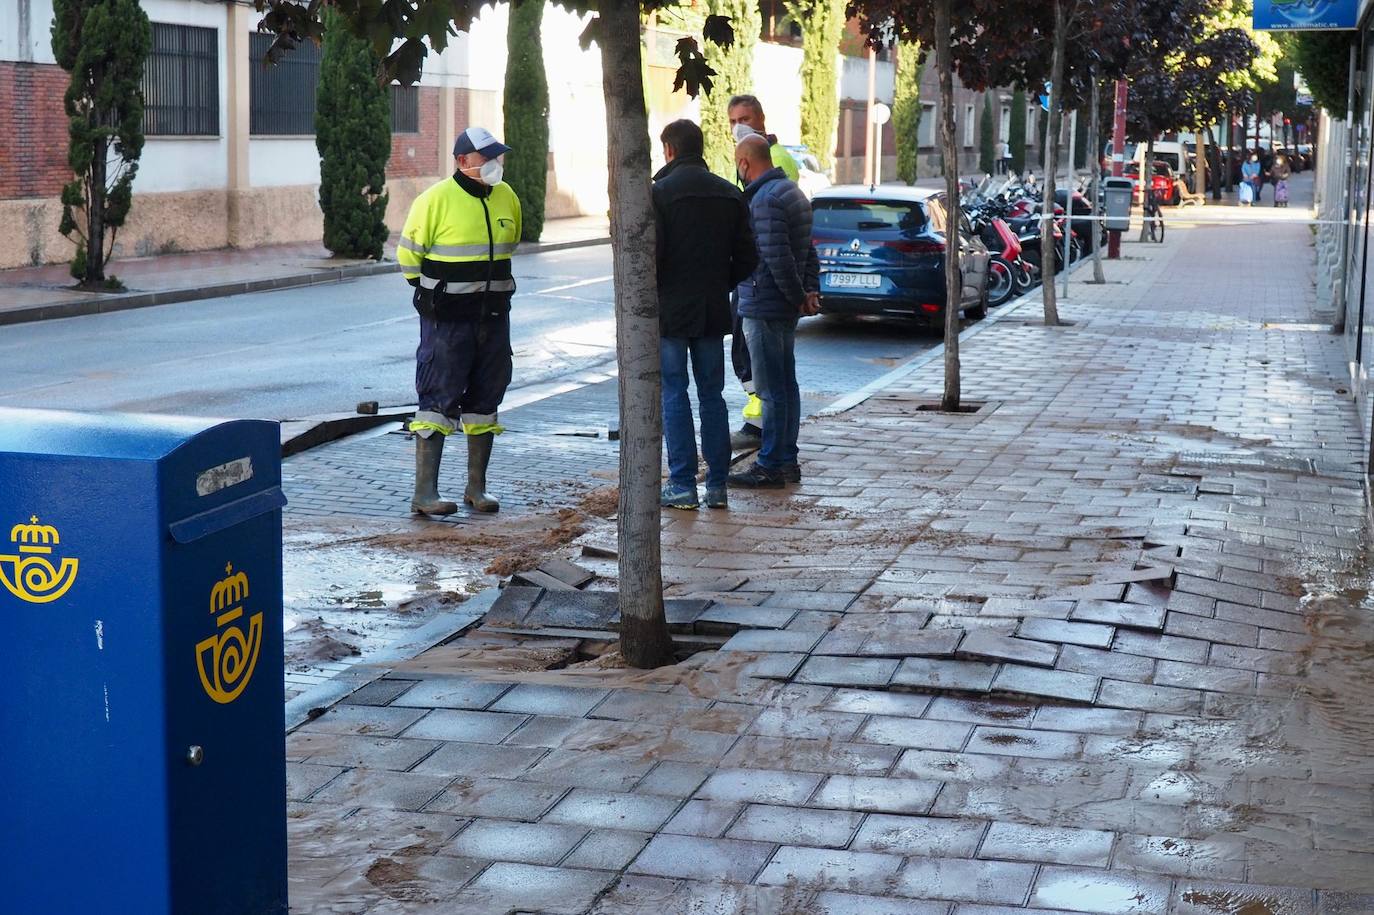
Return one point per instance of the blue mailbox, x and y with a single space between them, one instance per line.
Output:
142 764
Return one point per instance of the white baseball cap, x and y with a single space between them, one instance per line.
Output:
480 141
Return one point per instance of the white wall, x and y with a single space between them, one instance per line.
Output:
25 30
182 163
777 83
281 161
854 79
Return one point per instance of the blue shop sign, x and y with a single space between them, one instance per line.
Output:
1304 15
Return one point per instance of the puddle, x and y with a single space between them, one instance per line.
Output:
342 602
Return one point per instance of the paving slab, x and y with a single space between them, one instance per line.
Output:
960 879
832 869
934 837
702 859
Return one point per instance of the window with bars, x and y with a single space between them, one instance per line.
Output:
405 109
282 96
181 82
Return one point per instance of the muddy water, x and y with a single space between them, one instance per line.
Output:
344 599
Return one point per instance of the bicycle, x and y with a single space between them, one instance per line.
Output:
1154 217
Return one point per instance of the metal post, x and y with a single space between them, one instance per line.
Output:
868 116
878 154
1118 158
1068 202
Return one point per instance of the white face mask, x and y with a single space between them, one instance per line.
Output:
491 171
742 131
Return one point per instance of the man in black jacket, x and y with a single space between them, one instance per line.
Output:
705 248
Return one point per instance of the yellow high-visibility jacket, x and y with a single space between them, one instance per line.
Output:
456 248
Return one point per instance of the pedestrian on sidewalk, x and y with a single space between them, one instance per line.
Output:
784 286
1279 173
456 251
1003 157
747 119
1252 174
705 248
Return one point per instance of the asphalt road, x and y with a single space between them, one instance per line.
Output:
303 352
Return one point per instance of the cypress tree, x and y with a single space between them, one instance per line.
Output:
822 23
527 114
987 131
906 110
1017 129
353 137
103 44
734 75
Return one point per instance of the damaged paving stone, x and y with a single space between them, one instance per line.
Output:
992 646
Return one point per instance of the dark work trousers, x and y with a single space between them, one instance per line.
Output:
462 368
739 349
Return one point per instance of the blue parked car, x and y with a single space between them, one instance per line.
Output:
882 252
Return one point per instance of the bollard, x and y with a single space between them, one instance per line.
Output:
142 735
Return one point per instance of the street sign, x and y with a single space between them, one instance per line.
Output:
881 113
1305 15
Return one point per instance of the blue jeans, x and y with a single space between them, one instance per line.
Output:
707 356
772 346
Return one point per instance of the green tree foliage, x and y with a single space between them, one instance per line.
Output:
822 23
527 114
987 138
1017 129
734 75
1323 59
353 137
906 109
103 44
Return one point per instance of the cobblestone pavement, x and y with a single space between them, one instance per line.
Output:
1101 647
555 451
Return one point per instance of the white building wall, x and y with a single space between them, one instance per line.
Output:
854 79
188 163
25 31
283 161
777 83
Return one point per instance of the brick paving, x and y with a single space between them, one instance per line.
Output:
1099 649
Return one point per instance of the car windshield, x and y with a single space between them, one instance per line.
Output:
867 216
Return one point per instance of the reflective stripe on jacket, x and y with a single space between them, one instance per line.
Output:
456 248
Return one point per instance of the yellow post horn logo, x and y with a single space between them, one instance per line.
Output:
226 659
30 574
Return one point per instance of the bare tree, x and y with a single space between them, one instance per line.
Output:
954 286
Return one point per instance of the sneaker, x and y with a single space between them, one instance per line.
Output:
684 498
746 438
717 498
791 473
757 477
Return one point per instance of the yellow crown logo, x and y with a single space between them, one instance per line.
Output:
225 660
29 574
43 535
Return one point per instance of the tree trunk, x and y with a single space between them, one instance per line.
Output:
1095 147
954 286
1214 162
1147 183
644 639
95 215
1047 246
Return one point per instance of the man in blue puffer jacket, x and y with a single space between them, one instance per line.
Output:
784 286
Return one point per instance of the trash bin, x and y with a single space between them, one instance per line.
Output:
142 731
1117 194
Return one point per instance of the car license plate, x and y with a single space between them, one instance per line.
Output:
859 280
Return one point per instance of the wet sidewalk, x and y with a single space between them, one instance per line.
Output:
42 293
1100 646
